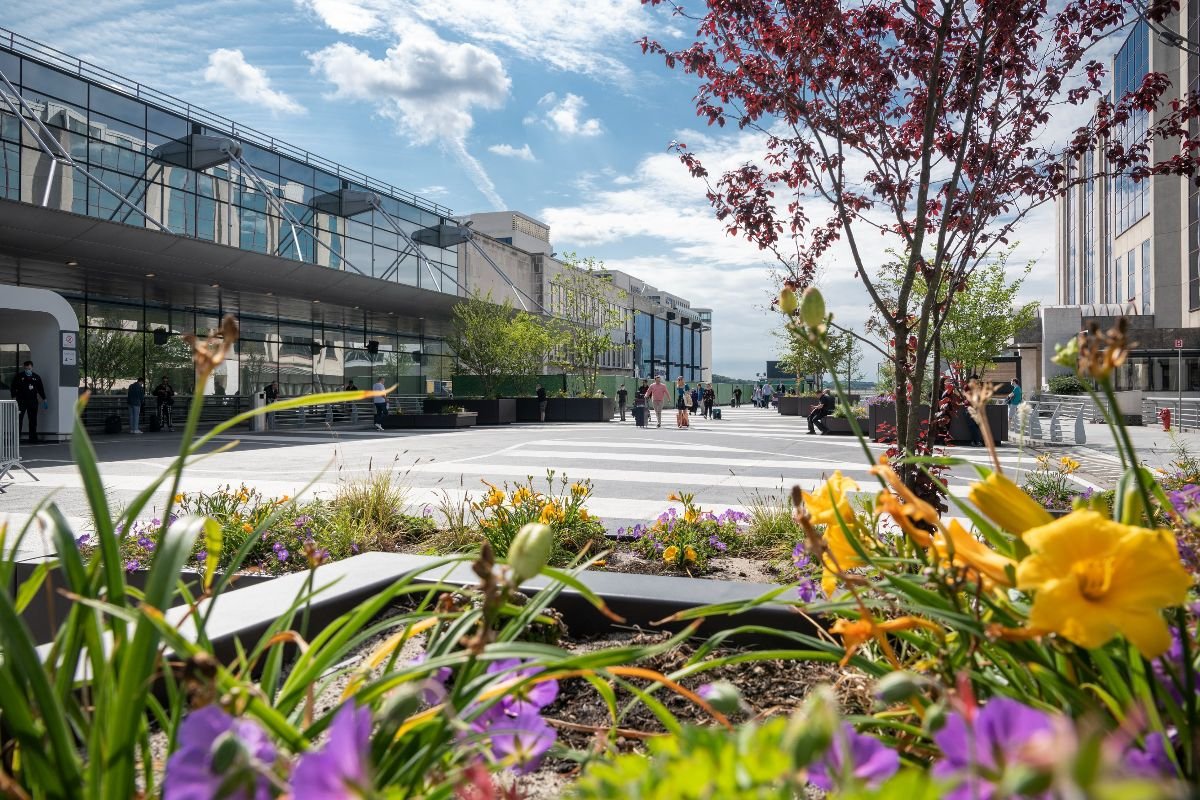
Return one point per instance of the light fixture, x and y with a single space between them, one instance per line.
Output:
72 262
316 301
215 285
270 294
149 274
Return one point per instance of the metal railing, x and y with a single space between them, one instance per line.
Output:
340 414
1185 412
1047 416
31 48
10 441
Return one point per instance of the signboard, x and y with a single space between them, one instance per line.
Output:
1178 344
775 373
69 339
68 358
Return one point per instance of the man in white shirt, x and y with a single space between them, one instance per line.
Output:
380 404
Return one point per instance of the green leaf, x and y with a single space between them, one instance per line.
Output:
213 539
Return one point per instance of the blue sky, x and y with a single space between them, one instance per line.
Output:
543 106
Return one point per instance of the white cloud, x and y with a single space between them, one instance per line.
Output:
229 69
568 35
428 86
565 116
508 151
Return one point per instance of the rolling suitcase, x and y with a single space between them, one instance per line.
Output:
716 413
639 416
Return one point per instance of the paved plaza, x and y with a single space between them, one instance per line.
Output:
723 462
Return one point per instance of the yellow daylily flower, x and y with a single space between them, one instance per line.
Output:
551 513
247 527
578 489
835 493
494 497
1095 578
857 632
673 497
689 554
671 554
521 495
820 506
179 498
584 516
907 514
1007 505
691 515
1068 465
981 562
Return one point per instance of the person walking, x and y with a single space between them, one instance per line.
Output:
737 397
135 397
657 394
710 397
823 408
755 397
622 398
1014 403
380 401
694 400
542 402
26 389
164 394
682 398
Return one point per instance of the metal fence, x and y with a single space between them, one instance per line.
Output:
1048 418
1185 412
218 409
10 441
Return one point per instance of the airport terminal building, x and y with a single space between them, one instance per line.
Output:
128 217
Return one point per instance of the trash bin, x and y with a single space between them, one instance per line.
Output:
639 416
259 424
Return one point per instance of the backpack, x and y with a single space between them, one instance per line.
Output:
112 424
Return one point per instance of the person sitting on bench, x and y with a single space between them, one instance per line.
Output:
823 408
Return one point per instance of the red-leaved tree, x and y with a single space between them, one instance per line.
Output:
923 123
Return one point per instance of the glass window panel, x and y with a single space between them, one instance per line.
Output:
10 65
262 160
358 253
10 171
126 134
1131 272
10 127
1147 277
49 81
166 123
118 106
295 171
326 182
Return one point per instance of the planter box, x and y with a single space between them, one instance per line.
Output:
885 414
841 425
490 412
568 409
400 421
48 609
800 406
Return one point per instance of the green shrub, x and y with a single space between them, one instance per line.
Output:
1066 384
502 512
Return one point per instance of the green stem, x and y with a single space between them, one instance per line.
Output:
1123 432
844 398
1189 691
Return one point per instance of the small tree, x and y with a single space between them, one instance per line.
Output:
482 341
846 352
587 309
798 356
111 354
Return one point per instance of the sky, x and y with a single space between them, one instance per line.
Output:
547 107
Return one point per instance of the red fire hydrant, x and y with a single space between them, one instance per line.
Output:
1164 414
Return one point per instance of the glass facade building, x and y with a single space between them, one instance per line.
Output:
668 347
78 139
1131 198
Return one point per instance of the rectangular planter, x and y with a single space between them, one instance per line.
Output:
48 609
997 416
401 421
568 409
801 406
500 411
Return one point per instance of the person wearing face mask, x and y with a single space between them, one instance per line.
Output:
27 389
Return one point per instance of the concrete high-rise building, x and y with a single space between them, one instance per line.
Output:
1131 247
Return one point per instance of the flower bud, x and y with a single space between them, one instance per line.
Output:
1067 355
935 718
897 687
788 301
810 732
229 753
812 308
530 550
722 695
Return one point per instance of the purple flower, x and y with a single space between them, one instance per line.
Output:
83 539
717 544
302 521
535 696
1169 669
190 774
156 523
864 757
202 556
280 551
132 565
353 548
426 512
143 542
433 691
1152 760
1004 732
518 739
341 769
